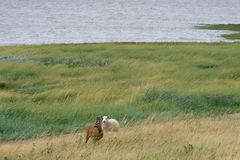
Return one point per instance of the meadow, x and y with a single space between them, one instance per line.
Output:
47 90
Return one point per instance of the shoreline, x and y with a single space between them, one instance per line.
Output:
121 42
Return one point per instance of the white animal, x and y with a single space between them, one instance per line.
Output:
110 124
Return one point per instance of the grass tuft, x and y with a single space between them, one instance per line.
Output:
3 85
206 66
197 104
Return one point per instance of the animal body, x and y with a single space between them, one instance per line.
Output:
109 124
95 131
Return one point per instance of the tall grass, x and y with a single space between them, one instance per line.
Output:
53 89
196 139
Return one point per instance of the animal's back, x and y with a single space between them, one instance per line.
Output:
92 130
115 124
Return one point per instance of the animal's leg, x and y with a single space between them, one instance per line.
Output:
87 137
95 139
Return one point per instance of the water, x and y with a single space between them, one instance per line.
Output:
78 21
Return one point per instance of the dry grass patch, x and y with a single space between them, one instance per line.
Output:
175 139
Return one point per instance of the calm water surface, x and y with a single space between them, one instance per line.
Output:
78 21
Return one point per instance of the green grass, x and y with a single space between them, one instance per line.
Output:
232 36
229 27
52 89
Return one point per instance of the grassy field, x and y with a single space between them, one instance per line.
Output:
198 139
48 90
229 27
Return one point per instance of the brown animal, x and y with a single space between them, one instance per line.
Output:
94 131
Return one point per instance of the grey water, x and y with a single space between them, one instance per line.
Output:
87 21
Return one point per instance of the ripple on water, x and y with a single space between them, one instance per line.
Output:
35 22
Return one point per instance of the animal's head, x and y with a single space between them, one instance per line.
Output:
104 119
98 121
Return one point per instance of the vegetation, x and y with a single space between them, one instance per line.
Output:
187 139
229 27
56 89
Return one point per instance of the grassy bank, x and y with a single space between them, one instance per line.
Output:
196 139
52 89
229 27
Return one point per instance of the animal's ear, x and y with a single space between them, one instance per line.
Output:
99 117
